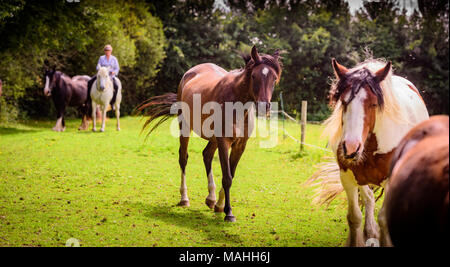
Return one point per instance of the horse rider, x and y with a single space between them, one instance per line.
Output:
107 60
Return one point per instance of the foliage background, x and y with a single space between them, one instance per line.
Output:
157 41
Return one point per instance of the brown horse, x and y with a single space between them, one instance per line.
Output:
417 201
254 83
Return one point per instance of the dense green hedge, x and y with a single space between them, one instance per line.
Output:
157 41
71 36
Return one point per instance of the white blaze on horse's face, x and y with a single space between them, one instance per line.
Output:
265 71
353 123
47 90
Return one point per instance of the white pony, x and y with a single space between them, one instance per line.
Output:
101 94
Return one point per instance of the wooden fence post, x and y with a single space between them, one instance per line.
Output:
282 113
303 124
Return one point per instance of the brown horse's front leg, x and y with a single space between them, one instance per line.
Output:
227 178
237 149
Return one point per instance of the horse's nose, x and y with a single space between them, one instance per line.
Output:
351 149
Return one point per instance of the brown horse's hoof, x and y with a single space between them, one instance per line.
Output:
184 203
218 209
230 218
210 203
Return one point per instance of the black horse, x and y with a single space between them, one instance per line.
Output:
66 91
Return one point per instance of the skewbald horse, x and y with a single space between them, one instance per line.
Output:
373 110
254 83
417 201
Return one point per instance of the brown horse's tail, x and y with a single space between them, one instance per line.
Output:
157 107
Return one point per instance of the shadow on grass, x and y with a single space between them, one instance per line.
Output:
11 131
204 222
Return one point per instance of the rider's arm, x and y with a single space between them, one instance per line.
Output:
116 67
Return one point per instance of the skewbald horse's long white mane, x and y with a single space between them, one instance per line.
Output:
393 108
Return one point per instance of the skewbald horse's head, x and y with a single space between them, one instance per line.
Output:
360 94
263 73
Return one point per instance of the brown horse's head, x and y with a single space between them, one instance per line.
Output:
264 72
360 93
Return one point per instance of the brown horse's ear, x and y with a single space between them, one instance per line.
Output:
381 74
255 55
339 70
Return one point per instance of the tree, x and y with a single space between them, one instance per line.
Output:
156 42
71 36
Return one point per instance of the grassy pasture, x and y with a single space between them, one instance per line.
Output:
116 189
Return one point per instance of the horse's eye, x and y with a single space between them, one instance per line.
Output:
374 105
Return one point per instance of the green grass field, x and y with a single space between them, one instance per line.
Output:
116 189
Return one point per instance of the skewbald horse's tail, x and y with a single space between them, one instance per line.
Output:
326 182
157 107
